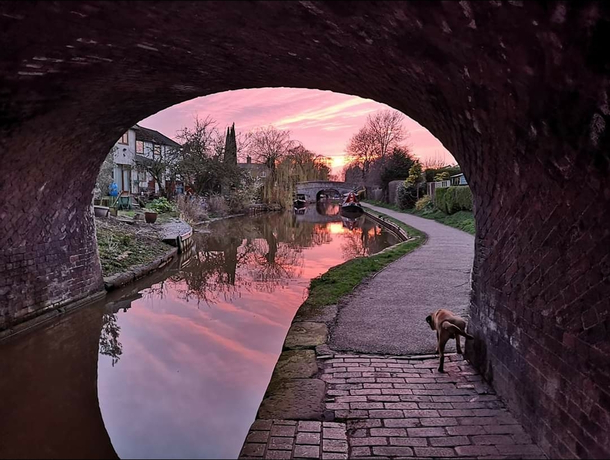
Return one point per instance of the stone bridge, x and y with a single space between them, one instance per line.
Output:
312 189
517 91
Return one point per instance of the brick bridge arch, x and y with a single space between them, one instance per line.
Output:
517 91
312 189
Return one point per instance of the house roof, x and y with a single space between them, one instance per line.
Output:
150 135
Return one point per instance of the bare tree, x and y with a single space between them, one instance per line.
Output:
434 162
361 151
386 131
268 145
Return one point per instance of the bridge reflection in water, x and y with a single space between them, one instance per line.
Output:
184 355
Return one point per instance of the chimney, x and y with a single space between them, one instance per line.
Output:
248 159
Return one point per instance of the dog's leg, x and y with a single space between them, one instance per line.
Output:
438 341
441 347
457 344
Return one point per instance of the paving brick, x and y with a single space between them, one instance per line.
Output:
307 452
334 455
441 421
366 391
347 414
253 450
427 432
420 413
258 436
308 438
337 406
466 430
360 451
386 414
368 441
366 405
309 426
449 441
261 425
278 443
393 451
384 398
402 422
334 433
444 452
388 432
334 445
280 430
412 442
351 398
401 405
278 454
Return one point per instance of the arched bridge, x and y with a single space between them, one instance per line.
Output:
312 189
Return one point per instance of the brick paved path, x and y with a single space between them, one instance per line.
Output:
392 407
383 406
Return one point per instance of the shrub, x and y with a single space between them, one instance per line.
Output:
217 205
192 208
407 196
423 203
453 199
161 205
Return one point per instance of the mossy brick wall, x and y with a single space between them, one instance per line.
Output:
517 91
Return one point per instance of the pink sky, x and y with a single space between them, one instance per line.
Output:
322 120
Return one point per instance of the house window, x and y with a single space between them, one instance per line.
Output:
124 138
156 151
139 147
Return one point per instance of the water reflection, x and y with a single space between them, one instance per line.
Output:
185 354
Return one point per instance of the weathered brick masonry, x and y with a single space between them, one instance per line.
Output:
517 91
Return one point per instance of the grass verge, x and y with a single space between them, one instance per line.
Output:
329 287
121 249
462 220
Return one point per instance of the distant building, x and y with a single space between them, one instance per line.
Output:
256 170
133 149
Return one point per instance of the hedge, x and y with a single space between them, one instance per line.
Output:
453 199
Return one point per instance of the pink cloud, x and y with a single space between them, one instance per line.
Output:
322 120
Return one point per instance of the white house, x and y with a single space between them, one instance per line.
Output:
458 179
133 148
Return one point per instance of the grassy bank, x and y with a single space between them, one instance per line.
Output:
328 288
462 220
121 247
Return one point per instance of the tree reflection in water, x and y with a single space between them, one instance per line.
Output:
109 338
262 253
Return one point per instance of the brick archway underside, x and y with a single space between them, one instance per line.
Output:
517 91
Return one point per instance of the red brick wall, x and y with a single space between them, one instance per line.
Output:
517 91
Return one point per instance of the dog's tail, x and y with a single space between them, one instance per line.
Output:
456 330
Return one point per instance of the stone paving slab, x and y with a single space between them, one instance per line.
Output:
397 407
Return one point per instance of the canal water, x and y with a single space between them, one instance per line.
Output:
176 365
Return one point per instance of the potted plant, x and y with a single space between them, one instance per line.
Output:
150 216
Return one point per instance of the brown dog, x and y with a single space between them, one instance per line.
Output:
447 326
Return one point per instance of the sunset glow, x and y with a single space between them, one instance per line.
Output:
322 120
